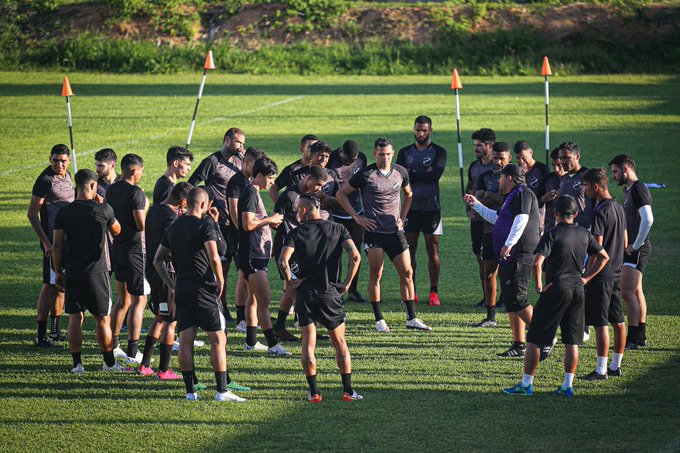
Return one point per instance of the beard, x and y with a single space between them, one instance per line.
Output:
422 140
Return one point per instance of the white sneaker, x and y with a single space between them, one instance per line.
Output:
192 397
417 324
241 327
228 396
279 350
199 343
257 347
78 369
381 326
586 334
353 397
118 353
136 360
175 346
116 367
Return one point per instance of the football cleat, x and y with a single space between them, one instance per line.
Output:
353 397
316 398
519 389
228 396
78 370
417 324
567 393
434 299
381 326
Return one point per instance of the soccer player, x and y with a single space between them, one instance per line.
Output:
283 179
254 252
483 141
161 300
191 242
128 256
572 182
551 189
80 235
286 205
534 173
563 249
515 236
425 162
637 204
320 154
178 165
234 187
603 293
318 245
52 190
488 194
346 161
384 215
105 161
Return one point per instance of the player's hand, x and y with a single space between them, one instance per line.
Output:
220 285
630 250
294 283
276 220
544 289
214 214
400 224
48 249
59 282
99 199
585 281
470 200
341 287
505 252
366 223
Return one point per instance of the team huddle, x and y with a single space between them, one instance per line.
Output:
563 228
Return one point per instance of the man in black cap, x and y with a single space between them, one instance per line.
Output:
563 249
515 236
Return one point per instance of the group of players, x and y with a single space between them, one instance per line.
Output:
179 251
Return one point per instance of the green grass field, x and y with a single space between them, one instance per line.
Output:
436 391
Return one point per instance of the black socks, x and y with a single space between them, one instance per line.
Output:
376 311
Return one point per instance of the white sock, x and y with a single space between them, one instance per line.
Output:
568 380
601 365
527 380
616 361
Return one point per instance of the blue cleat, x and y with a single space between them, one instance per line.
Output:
519 389
567 393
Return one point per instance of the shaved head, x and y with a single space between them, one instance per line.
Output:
195 197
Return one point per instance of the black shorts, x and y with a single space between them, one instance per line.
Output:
88 291
250 266
158 300
476 234
603 303
394 244
558 307
197 305
638 259
128 267
322 307
428 222
487 248
515 279
230 236
48 273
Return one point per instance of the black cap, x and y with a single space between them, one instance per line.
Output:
514 172
566 206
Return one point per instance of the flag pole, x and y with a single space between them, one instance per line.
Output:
209 64
545 72
455 86
67 92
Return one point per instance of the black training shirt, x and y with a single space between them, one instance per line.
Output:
158 219
633 199
186 238
162 189
609 221
125 198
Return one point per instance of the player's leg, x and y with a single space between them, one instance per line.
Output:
412 240
185 356
376 257
402 264
48 294
631 279
356 232
308 357
490 271
285 304
344 361
515 279
56 312
152 337
105 339
241 295
642 325
135 321
120 309
75 340
259 286
226 264
433 266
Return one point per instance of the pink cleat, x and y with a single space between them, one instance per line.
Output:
145 371
434 299
168 375
415 298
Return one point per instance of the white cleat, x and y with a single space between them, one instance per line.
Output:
78 369
117 367
259 347
586 334
228 396
241 327
199 343
118 353
192 397
381 326
417 324
353 397
279 350
136 360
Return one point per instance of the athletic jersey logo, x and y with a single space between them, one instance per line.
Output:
396 185
294 267
326 188
356 170
577 185
533 183
427 161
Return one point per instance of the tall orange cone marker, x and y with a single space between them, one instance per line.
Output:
455 86
67 92
545 72
209 64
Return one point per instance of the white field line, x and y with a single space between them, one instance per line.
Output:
156 137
